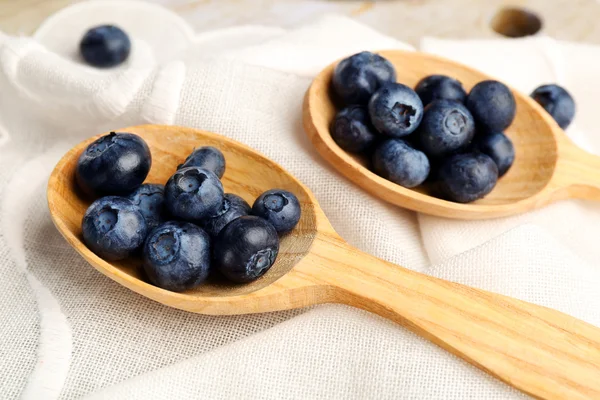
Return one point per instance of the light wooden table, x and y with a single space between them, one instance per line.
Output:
407 20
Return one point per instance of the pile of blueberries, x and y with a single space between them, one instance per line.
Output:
184 229
437 133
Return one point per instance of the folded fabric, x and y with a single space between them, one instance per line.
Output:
69 332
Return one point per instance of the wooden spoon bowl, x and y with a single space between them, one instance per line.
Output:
248 175
540 351
547 165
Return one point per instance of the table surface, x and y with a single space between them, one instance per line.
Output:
407 20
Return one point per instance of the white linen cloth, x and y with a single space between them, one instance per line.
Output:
68 332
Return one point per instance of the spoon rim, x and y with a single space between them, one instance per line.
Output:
408 198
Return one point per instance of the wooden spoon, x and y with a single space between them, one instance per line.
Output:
547 167
541 351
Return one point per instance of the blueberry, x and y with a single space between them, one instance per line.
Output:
113 228
440 87
233 207
177 256
105 46
207 157
492 105
397 161
395 110
352 129
193 193
280 207
557 102
447 126
500 149
246 248
464 178
115 164
150 199
356 78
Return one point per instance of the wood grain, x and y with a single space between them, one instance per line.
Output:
547 167
540 351
544 353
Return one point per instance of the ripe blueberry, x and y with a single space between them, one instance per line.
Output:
464 178
440 87
447 126
115 164
280 207
499 148
357 77
207 157
193 193
492 105
177 256
233 207
395 110
150 199
557 102
352 129
246 248
105 46
398 162
113 228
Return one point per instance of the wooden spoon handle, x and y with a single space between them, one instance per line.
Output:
540 351
578 172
